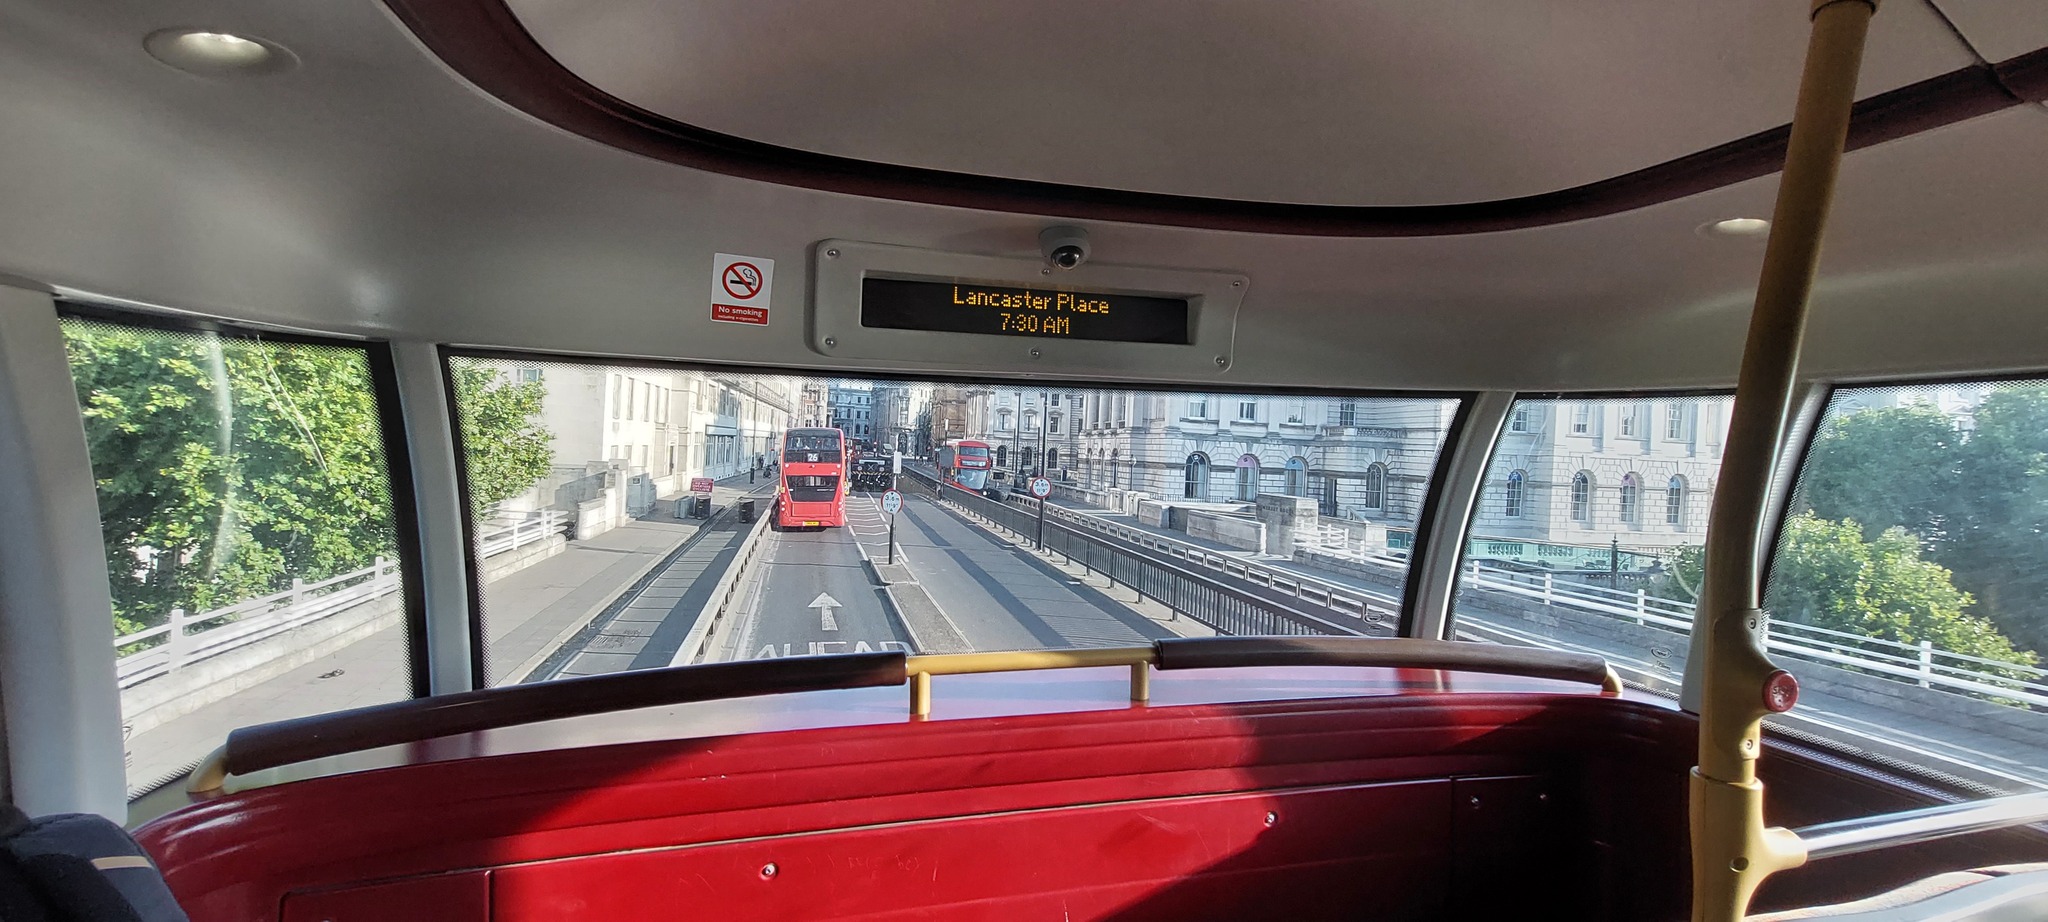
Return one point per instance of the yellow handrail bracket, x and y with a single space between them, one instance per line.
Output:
921 668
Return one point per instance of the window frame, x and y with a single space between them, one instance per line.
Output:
1373 494
1197 461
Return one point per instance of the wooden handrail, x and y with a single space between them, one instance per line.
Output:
1391 652
286 741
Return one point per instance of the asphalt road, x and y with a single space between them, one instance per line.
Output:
814 597
1000 597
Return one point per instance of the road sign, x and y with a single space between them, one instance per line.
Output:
1041 487
740 288
700 485
891 502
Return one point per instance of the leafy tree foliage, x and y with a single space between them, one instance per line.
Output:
505 449
1828 576
1684 567
1976 501
1885 468
228 466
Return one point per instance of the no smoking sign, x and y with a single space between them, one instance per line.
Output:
740 288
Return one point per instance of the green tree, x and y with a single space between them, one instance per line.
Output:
1884 468
506 450
225 467
1997 539
1827 575
1976 500
1683 568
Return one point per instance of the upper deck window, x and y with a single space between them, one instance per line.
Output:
1558 555
617 559
808 446
1911 568
250 529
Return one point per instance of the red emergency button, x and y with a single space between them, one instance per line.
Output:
1781 692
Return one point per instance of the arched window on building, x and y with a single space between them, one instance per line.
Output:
1375 486
1114 456
1247 477
1511 506
1002 456
1631 494
1582 497
1674 501
1297 476
1028 454
1195 484
1052 459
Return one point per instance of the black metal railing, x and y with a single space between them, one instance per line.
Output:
1205 598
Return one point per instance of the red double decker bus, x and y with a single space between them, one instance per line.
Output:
813 492
966 463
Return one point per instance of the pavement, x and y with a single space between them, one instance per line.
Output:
523 611
637 615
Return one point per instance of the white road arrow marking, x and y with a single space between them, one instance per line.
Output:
824 604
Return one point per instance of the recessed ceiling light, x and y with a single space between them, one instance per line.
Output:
211 54
1736 227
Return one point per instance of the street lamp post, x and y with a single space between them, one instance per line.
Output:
1045 419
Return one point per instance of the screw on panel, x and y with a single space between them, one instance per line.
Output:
1237 284
1272 818
830 342
1475 802
831 254
769 870
1045 271
1034 353
1222 361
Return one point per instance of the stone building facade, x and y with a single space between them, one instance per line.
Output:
1635 475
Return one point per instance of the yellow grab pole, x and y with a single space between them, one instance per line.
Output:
1732 851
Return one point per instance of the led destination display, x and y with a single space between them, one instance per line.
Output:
957 307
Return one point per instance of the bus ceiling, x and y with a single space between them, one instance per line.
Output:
1386 210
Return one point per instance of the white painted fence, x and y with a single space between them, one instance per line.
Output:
187 638
1922 664
522 533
